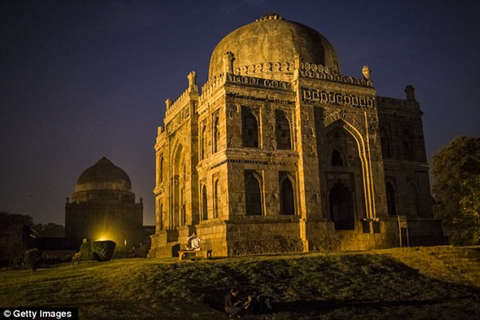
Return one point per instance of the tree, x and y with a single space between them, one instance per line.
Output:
32 258
15 236
49 230
7 219
18 233
456 188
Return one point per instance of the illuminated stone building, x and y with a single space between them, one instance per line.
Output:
281 152
103 207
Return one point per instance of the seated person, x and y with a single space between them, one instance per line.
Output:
250 304
193 242
233 306
259 303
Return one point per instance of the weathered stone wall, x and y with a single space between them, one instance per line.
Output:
403 150
325 238
421 232
412 186
257 235
213 234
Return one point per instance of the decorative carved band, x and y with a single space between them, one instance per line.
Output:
265 67
259 82
318 71
268 163
337 98
261 98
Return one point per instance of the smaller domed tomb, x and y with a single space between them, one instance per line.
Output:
103 207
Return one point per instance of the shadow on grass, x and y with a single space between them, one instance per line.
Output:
327 306
307 306
339 283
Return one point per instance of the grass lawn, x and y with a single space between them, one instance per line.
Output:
384 284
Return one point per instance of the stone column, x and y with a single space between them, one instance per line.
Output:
308 169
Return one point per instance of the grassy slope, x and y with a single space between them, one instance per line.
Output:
373 285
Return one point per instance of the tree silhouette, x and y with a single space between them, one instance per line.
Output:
456 188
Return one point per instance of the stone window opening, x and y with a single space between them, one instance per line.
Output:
204 203
253 193
175 214
216 134
391 199
337 159
183 217
287 195
184 173
283 130
216 194
160 216
160 170
249 129
203 139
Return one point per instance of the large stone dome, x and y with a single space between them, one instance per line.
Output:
103 175
269 45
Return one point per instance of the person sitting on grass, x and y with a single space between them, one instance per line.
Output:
233 305
193 242
258 303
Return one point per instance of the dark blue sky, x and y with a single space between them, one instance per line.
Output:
80 80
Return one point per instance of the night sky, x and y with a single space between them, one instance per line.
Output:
80 80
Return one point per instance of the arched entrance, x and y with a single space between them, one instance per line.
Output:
341 207
342 175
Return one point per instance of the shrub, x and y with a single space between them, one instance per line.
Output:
103 250
86 252
32 258
97 250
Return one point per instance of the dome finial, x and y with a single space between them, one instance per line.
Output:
270 16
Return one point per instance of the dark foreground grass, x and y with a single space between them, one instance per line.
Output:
313 286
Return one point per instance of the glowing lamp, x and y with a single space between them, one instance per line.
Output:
103 237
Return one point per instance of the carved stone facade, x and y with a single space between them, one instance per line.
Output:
279 153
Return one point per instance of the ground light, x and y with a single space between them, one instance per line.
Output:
103 237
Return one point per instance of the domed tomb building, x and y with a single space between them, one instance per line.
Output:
103 207
281 152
